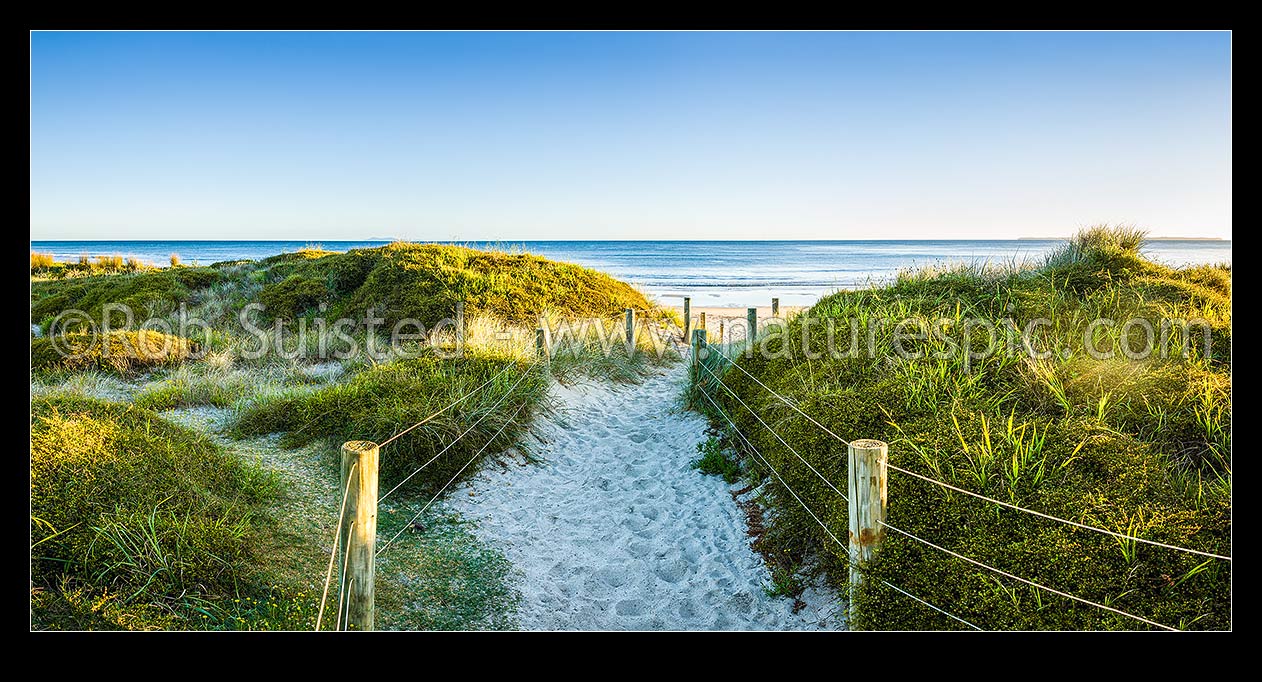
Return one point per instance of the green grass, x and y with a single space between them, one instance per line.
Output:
715 461
441 576
45 267
232 554
137 523
426 281
380 402
119 351
146 293
1138 446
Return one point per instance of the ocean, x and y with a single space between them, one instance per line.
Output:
713 273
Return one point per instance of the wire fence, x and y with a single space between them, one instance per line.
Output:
717 381
344 586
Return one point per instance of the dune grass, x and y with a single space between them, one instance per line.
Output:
1137 446
380 402
45 267
315 401
122 352
148 293
138 523
42 261
426 281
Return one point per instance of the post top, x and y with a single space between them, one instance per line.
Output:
868 444
359 445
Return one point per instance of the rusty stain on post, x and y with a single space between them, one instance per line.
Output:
866 480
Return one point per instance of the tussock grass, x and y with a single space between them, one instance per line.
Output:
298 393
138 523
426 281
224 385
42 261
1139 446
88 383
45 267
377 403
150 293
119 351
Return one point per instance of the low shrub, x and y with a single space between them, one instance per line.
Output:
118 351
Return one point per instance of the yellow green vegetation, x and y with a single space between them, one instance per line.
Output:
118 351
1136 445
45 266
140 523
497 395
137 523
152 293
426 281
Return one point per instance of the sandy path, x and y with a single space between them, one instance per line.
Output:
614 530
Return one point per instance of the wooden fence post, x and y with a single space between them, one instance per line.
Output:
775 307
541 344
460 328
698 347
866 477
721 336
630 312
751 328
701 320
687 317
359 532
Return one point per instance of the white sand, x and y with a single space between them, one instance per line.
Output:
734 320
615 531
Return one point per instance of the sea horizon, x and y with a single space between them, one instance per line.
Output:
720 273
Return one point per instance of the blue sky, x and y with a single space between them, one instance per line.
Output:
519 136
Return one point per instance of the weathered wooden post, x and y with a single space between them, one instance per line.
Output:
541 344
721 336
751 329
460 328
687 317
359 532
630 313
775 307
866 476
701 320
698 347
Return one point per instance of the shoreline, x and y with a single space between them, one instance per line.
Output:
733 318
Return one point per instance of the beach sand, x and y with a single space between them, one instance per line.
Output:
614 530
734 319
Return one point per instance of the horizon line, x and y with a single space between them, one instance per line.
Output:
459 241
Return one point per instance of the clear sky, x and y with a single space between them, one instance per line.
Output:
520 136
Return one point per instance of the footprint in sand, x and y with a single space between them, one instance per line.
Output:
617 531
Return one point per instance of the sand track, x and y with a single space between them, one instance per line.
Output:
614 530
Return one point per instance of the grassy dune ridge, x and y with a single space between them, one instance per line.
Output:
141 523
1137 446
